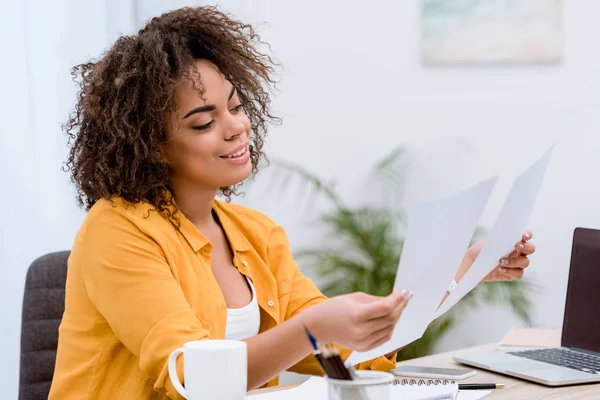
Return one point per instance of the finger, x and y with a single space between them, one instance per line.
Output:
389 320
366 298
528 249
518 262
512 274
403 302
379 337
382 335
382 308
382 340
519 248
523 248
394 304
495 275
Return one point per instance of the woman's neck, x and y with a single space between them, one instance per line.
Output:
196 203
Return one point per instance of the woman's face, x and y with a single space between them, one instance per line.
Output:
209 147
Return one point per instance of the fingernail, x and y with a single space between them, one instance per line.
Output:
403 292
504 261
410 295
520 247
527 236
502 269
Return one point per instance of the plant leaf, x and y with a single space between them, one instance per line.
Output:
364 243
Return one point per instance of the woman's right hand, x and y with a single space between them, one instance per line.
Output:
357 321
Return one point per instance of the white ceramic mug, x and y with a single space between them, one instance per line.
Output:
212 370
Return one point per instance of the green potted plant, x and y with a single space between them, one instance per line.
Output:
366 243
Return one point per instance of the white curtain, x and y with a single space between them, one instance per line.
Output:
41 41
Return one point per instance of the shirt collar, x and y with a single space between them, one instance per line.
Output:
193 236
198 241
237 240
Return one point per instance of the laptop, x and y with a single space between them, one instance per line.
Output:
577 360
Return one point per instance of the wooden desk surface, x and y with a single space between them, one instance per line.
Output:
515 389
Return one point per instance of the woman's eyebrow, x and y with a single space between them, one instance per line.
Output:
208 107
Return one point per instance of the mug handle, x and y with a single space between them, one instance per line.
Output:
173 372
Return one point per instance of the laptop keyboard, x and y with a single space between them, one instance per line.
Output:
564 358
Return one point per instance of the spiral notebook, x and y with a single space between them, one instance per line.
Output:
422 382
424 389
315 388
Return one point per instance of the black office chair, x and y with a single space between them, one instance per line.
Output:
43 307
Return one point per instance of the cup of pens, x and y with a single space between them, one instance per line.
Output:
345 383
366 385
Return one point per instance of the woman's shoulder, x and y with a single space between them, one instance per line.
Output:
117 211
112 223
117 205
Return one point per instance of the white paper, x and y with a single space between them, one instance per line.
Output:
315 388
472 394
438 235
425 392
507 230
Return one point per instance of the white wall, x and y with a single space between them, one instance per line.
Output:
40 42
352 88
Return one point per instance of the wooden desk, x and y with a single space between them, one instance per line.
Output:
515 389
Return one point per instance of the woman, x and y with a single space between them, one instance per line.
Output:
166 120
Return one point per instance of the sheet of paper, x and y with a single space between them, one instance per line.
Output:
425 392
437 237
315 388
472 394
507 230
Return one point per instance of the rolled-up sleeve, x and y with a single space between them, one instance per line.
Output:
305 294
131 284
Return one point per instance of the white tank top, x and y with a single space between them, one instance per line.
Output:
244 322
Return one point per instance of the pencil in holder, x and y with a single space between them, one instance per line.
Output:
366 385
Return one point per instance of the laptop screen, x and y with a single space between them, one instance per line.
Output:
581 326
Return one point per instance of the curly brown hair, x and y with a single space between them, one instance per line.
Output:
117 129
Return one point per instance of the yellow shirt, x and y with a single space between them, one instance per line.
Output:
138 288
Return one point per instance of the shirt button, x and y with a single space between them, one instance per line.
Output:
271 303
244 263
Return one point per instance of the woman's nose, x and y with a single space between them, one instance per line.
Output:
234 127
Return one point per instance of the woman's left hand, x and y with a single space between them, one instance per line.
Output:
510 267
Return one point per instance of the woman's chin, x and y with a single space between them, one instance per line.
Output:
238 177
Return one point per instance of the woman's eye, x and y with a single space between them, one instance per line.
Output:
204 127
237 108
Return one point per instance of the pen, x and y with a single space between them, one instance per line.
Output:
320 354
312 339
479 386
329 359
338 363
317 352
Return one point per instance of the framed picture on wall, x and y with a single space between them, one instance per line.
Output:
491 31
